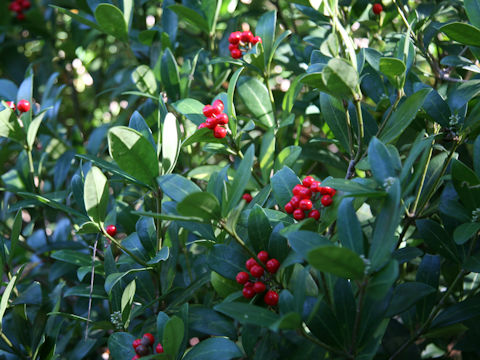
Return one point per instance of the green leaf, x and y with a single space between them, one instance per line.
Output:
222 285
226 260
403 116
463 93
77 17
191 16
282 184
9 126
231 107
173 334
6 294
247 313
177 187
144 79
190 108
114 278
202 135
476 156
287 157
340 77
111 21
162 255
463 33
437 238
170 142
128 11
354 188
240 181
339 261
464 232
73 257
381 282
214 348
467 185
333 113
33 128
16 230
259 228
266 30
349 228
472 263
394 69
381 162
120 346
170 75
95 195
267 153
133 153
458 312
201 205
302 242
406 295
472 7
255 96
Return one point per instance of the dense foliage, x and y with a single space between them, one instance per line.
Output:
255 179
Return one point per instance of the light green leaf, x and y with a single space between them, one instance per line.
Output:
255 96
144 79
111 21
95 195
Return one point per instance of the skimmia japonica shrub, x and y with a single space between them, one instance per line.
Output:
239 180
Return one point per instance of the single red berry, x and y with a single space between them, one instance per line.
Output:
222 119
332 191
10 104
271 298
136 343
232 46
208 111
256 39
136 357
248 284
15 7
295 201
272 266
305 193
150 338
256 271
263 256
111 230
21 17
202 125
289 208
250 262
247 197
236 53
219 132
259 287
23 106
242 277
26 4
308 181
159 348
234 37
142 350
248 292
298 214
314 214
326 200
246 36
296 189
305 204
218 104
315 187
377 9
211 122
324 190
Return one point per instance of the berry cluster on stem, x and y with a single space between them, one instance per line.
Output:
241 42
144 346
216 119
304 195
18 7
257 286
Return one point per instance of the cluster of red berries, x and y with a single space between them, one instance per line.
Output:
241 42
247 197
251 288
22 106
144 346
215 119
301 204
19 6
111 230
377 9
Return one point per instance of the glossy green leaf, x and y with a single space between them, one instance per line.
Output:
16 230
223 286
349 228
173 334
216 347
111 21
177 187
382 281
333 113
340 77
120 346
255 96
266 30
77 17
467 185
463 33
170 74
231 107
242 176
259 228
394 69
9 126
463 94
73 257
6 295
464 310
381 161
191 16
406 295
192 109
144 79
33 128
338 261
267 154
464 232
247 313
282 184
170 143
95 195
472 7
437 238
201 205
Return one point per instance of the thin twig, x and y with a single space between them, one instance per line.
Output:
92 278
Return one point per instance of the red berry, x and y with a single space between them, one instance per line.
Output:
271 298
15 7
23 105
219 132
247 197
136 343
332 191
202 125
305 204
218 104
10 104
315 187
259 287
242 277
159 348
208 111
150 338
298 214
289 208
308 181
21 17
111 230
305 193
211 122
295 201
326 200
236 53
248 284
377 9
256 271
222 119
272 266
263 256
256 39
246 36
248 292
143 350
324 190
232 46
136 357
314 214
296 190
250 262
26 4
234 37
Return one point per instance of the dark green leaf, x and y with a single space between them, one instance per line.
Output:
349 228
259 228
242 176
458 312
339 261
340 77
202 205
111 20
465 231
282 184
177 187
255 96
173 334
120 346
190 16
266 30
214 348
170 75
333 113
247 313
406 295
